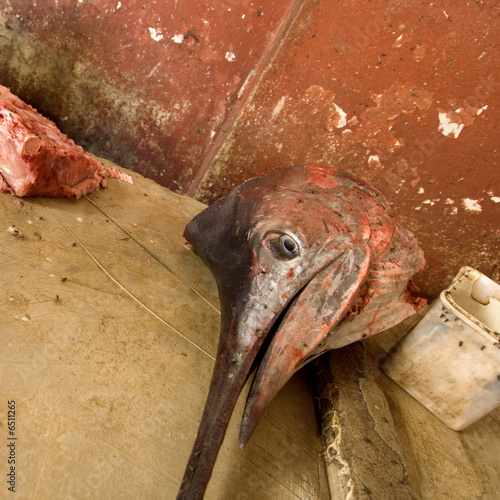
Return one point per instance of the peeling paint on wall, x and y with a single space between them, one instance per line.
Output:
157 35
472 205
452 123
449 128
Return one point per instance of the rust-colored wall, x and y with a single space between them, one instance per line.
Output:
201 96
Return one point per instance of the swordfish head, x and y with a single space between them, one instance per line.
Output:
292 253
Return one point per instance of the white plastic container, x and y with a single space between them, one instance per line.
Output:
450 360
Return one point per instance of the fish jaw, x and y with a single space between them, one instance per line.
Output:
310 318
243 331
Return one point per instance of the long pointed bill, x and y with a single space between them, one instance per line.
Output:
231 371
309 319
243 330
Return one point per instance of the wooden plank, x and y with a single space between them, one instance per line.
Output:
364 456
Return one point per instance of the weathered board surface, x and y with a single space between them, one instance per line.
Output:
103 307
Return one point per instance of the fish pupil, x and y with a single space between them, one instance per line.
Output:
289 246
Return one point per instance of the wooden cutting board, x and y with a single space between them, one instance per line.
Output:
108 331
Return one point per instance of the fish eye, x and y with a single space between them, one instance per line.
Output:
283 247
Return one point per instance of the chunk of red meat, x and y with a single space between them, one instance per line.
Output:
37 159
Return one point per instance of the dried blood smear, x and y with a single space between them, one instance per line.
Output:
36 159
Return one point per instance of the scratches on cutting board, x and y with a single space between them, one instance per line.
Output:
148 251
120 285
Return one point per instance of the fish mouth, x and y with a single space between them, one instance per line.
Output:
260 396
233 366
277 360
